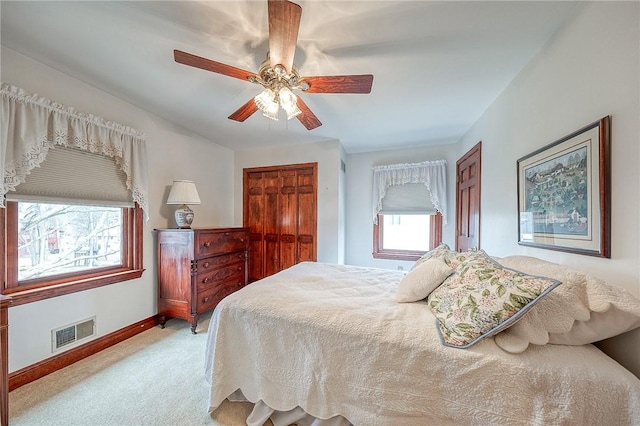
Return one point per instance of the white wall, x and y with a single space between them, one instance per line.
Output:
590 69
174 153
359 199
327 155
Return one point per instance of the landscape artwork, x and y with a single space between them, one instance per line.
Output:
564 193
556 194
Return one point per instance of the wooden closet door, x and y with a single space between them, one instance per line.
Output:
280 210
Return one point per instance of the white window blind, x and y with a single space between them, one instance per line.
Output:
75 176
410 198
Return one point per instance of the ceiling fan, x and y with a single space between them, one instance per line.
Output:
278 75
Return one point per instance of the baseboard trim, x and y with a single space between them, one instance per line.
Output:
47 366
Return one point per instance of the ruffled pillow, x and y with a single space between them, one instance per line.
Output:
422 280
482 298
582 310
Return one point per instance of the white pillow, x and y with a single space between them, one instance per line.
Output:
582 310
422 280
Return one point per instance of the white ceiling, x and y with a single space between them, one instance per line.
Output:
437 65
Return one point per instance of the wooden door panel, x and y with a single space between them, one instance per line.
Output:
174 255
256 250
288 204
463 226
473 226
270 209
271 255
288 218
307 215
468 199
306 248
254 220
288 251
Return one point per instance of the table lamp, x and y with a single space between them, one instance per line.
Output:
183 192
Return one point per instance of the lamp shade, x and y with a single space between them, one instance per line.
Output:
183 192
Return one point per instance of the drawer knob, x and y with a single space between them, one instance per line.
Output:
207 244
206 299
226 234
239 268
205 265
206 280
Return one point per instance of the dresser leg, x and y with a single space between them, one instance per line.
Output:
163 321
194 324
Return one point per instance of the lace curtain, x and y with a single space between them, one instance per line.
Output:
31 124
433 174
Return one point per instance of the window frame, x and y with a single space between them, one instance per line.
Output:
379 252
61 284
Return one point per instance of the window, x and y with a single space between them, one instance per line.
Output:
406 237
54 249
55 239
74 221
409 208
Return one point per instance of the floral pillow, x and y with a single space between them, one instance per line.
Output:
444 253
482 298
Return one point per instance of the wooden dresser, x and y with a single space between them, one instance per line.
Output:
4 365
197 268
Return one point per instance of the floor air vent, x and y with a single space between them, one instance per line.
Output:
64 336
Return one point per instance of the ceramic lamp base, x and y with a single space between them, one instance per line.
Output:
184 217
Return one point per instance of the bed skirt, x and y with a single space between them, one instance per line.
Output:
262 412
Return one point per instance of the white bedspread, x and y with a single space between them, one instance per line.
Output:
332 340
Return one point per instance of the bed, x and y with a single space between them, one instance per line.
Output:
327 344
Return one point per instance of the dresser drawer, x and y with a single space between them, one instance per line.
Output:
210 298
233 272
209 243
212 263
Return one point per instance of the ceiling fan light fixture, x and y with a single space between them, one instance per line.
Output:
268 104
289 102
293 112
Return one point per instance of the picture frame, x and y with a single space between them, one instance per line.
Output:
564 194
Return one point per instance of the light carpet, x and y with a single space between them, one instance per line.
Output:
153 378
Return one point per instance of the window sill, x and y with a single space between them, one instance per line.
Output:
21 296
398 255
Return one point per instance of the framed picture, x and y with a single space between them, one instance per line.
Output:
564 193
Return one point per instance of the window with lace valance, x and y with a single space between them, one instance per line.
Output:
432 175
73 195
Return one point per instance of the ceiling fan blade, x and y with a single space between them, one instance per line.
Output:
245 111
339 84
284 23
307 118
209 65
